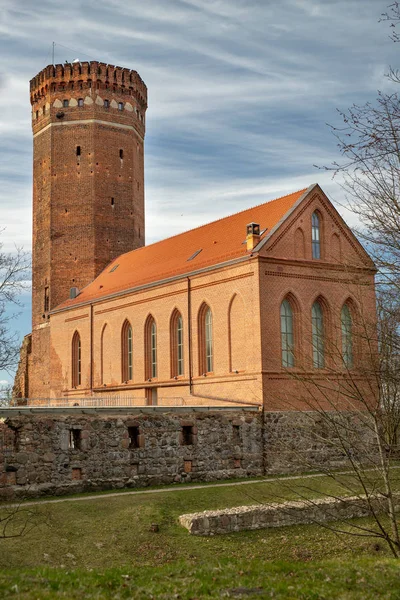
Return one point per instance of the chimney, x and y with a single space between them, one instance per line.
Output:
73 292
253 236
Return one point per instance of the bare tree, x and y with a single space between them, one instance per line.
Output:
14 268
349 419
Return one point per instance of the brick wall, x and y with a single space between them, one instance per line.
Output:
88 184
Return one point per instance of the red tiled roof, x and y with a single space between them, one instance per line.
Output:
219 242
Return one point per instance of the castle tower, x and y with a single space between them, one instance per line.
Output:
88 122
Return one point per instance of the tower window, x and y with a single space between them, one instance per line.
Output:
112 202
80 102
78 150
65 103
106 104
120 106
46 299
121 154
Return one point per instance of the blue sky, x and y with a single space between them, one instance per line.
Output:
240 92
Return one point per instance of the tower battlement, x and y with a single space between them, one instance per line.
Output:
73 77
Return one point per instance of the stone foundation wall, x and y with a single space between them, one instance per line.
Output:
299 441
243 518
66 454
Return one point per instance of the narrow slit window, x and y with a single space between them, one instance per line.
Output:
80 102
46 299
120 106
106 104
78 150
65 103
112 202
121 154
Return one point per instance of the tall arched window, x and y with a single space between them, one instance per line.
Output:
318 342
127 351
206 359
76 360
287 336
209 340
347 336
316 235
151 348
176 341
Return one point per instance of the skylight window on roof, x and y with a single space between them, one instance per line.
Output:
195 254
114 268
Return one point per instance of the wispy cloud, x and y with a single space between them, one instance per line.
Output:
239 94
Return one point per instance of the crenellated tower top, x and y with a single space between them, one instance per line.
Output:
58 90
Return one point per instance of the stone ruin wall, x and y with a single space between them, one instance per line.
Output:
60 454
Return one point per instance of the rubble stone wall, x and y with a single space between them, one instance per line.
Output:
296 512
59 454
66 454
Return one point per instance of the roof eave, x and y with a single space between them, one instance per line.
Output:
153 284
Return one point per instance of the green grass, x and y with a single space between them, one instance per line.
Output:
105 549
363 579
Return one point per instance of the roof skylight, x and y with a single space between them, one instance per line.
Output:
195 254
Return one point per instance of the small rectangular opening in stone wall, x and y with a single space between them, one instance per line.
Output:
236 435
75 439
187 466
187 435
134 434
238 463
77 474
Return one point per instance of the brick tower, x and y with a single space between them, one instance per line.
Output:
88 122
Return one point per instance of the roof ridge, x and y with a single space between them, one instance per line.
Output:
210 223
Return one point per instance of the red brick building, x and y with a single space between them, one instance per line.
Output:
233 311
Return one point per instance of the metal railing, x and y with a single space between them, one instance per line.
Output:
92 402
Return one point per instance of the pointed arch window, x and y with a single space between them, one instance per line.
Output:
176 333
316 235
76 360
347 336
127 351
318 335
151 348
287 336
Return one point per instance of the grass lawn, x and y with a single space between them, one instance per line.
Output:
104 548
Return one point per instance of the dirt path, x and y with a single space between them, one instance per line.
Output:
175 488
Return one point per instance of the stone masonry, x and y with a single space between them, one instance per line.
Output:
65 453
297 512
